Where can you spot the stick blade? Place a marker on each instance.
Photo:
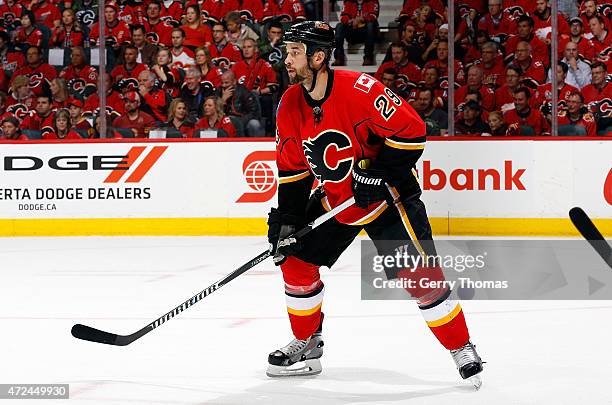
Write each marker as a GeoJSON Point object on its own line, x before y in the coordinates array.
{"type": "Point", "coordinates": [589, 231]}
{"type": "Point", "coordinates": [583, 223]}
{"type": "Point", "coordinates": [85, 332]}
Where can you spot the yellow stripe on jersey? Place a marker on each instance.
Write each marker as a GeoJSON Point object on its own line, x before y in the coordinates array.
{"type": "Point", "coordinates": [295, 177]}
{"type": "Point", "coordinates": [405, 145]}
{"type": "Point", "coordinates": [372, 215]}
{"type": "Point", "coordinates": [446, 319]}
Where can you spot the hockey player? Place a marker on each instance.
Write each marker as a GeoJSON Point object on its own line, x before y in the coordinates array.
{"type": "Point", "coordinates": [320, 134]}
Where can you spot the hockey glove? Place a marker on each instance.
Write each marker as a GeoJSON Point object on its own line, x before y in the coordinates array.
{"type": "Point", "coordinates": [369, 185]}
{"type": "Point", "coordinates": [280, 231]}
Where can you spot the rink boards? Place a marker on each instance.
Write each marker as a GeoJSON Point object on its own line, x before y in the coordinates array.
{"type": "Point", "coordinates": [471, 187]}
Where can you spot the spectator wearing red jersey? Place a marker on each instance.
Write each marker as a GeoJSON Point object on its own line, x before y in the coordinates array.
{"type": "Point", "coordinates": [215, 119]}
{"type": "Point", "coordinates": [158, 30]}
{"type": "Point", "coordinates": [196, 33]}
{"type": "Point", "coordinates": [598, 95]}
{"type": "Point", "coordinates": [126, 74]}
{"type": "Point", "coordinates": [154, 100]}
{"type": "Point", "coordinates": [589, 9]}
{"type": "Point", "coordinates": [579, 73]}
{"type": "Point", "coordinates": [526, 33]}
{"type": "Point", "coordinates": [285, 11]}
{"type": "Point", "coordinates": [532, 69]}
{"type": "Point", "coordinates": [172, 10]}
{"type": "Point", "coordinates": [492, 66]}
{"type": "Point", "coordinates": [46, 13]}
{"type": "Point", "coordinates": [575, 117]}
{"type": "Point", "coordinates": [586, 48]}
{"type": "Point", "coordinates": [69, 33]}
{"type": "Point", "coordinates": [408, 74]}
{"type": "Point", "coordinates": [9, 60]}
{"type": "Point", "coordinates": [358, 23]}
{"type": "Point", "coordinates": [114, 99]}
{"type": "Point", "coordinates": [254, 73]}
{"type": "Point", "coordinates": [22, 99]}
{"type": "Point", "coordinates": [389, 78]}
{"type": "Point", "coordinates": [475, 83]}
{"type": "Point", "coordinates": [213, 11]}
{"type": "Point", "coordinates": [425, 22]}
{"type": "Point", "coordinates": [11, 130]}
{"type": "Point", "coordinates": [59, 93]}
{"type": "Point", "coordinates": [82, 78]}
{"type": "Point", "coordinates": [210, 74]}
{"type": "Point", "coordinates": [497, 23]}
{"type": "Point", "coordinates": [182, 57]}
{"type": "Point", "coordinates": [441, 63]}
{"type": "Point", "coordinates": [138, 121]}
{"type": "Point", "coordinates": [116, 32]}
{"type": "Point", "coordinates": [78, 120]}
{"type": "Point", "coordinates": [179, 119]}
{"type": "Point", "coordinates": [62, 127]}
{"type": "Point", "coordinates": [28, 34]}
{"type": "Point", "coordinates": [237, 31]}
{"type": "Point", "coordinates": [518, 8]}
{"type": "Point", "coordinates": [223, 53]}
{"type": "Point", "coordinates": [431, 80]}
{"type": "Point", "coordinates": [132, 12]}
{"type": "Point", "coordinates": [543, 93]}
{"type": "Point", "coordinates": [39, 73]}
{"type": "Point", "coordinates": [41, 119]}
{"type": "Point", "coordinates": [10, 12]}
{"type": "Point", "coordinates": [169, 77]}
{"type": "Point", "coordinates": [543, 22]}
{"type": "Point", "coordinates": [602, 38]}
{"type": "Point", "coordinates": [251, 10]}
{"type": "Point", "coordinates": [524, 120]}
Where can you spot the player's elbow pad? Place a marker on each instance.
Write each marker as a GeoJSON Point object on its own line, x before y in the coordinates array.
{"type": "Point", "coordinates": [399, 165]}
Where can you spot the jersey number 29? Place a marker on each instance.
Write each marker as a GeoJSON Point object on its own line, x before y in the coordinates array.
{"type": "Point", "coordinates": [384, 106]}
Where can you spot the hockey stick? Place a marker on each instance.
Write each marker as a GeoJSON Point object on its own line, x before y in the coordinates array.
{"type": "Point", "coordinates": [98, 336]}
{"type": "Point", "coordinates": [587, 228]}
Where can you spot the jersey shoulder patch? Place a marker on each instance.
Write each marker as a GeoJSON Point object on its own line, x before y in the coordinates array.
{"type": "Point", "coordinates": [364, 83]}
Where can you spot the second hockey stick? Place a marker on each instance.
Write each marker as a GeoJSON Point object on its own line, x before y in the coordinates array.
{"type": "Point", "coordinates": [85, 332]}
{"type": "Point", "coordinates": [587, 228]}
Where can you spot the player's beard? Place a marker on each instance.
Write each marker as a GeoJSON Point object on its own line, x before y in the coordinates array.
{"type": "Point", "coordinates": [301, 76]}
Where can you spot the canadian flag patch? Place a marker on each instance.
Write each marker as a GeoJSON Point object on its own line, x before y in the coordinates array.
{"type": "Point", "coordinates": [364, 83]}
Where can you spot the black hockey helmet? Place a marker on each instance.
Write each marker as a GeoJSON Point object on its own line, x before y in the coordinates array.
{"type": "Point", "coordinates": [316, 35]}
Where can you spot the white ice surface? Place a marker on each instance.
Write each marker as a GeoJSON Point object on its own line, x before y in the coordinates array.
{"type": "Point", "coordinates": [376, 352]}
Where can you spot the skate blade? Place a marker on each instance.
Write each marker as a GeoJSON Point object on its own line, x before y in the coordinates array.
{"type": "Point", "coordinates": [301, 368]}
{"type": "Point", "coordinates": [476, 381]}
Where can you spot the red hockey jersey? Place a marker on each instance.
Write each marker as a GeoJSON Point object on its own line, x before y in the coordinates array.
{"type": "Point", "coordinates": [257, 74]}
{"type": "Point", "coordinates": [352, 9]}
{"type": "Point", "coordinates": [344, 133]}
{"type": "Point", "coordinates": [39, 76]}
{"type": "Point", "coordinates": [223, 56]}
{"type": "Point", "coordinates": [81, 81]}
{"type": "Point", "coordinates": [290, 10]}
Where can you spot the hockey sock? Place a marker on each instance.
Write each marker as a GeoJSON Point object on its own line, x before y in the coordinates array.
{"type": "Point", "coordinates": [304, 295]}
{"type": "Point", "coordinates": [444, 316]}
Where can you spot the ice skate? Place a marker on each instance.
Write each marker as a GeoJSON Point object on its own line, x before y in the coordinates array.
{"type": "Point", "coordinates": [298, 358]}
{"type": "Point", "coordinates": [468, 363]}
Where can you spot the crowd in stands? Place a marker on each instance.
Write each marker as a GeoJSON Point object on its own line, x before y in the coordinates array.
{"type": "Point", "coordinates": [503, 66]}
{"type": "Point", "coordinates": [214, 68]}
{"type": "Point", "coordinates": [211, 68]}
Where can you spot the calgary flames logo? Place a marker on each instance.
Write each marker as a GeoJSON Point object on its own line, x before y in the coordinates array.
{"type": "Point", "coordinates": [330, 156]}
{"type": "Point", "coordinates": [260, 177]}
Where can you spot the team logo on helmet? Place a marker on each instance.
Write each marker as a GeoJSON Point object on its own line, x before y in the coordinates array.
{"type": "Point", "coordinates": [330, 156]}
